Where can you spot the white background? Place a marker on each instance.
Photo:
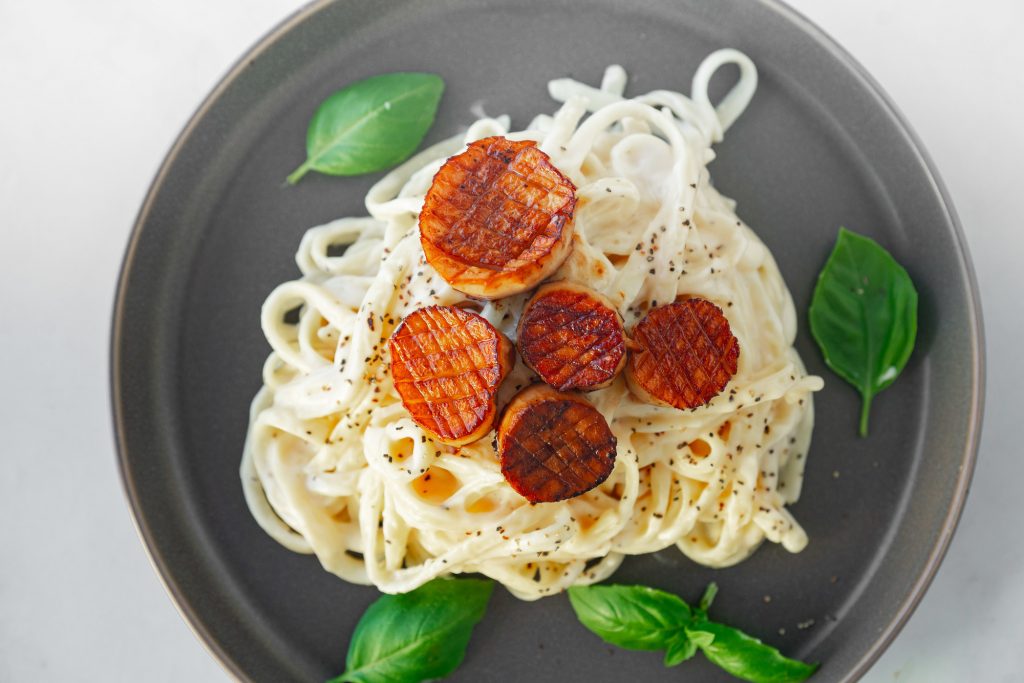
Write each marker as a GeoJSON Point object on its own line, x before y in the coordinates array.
{"type": "Point", "coordinates": [91, 96]}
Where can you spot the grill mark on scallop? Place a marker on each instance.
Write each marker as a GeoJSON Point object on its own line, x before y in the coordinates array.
{"type": "Point", "coordinates": [688, 354]}
{"type": "Point", "coordinates": [553, 446]}
{"type": "Point", "coordinates": [572, 337]}
{"type": "Point", "coordinates": [492, 199]}
{"type": "Point", "coordinates": [497, 218]}
{"type": "Point", "coordinates": [447, 364]}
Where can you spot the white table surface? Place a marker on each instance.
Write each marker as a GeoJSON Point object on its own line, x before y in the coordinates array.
{"type": "Point", "coordinates": [92, 95]}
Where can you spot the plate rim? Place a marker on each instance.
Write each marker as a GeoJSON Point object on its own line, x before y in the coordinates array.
{"type": "Point", "coordinates": [968, 460]}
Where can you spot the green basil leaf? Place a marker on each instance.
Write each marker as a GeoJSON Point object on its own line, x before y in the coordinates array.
{"type": "Point", "coordinates": [864, 316]}
{"type": "Point", "coordinates": [746, 657]}
{"type": "Point", "coordinates": [700, 638]}
{"type": "Point", "coordinates": [370, 125]}
{"type": "Point", "coordinates": [418, 635]}
{"type": "Point", "coordinates": [633, 617]}
{"type": "Point", "coordinates": [680, 649]}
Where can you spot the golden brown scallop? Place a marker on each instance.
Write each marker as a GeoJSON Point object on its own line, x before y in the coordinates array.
{"type": "Point", "coordinates": [447, 364]}
{"type": "Point", "coordinates": [553, 446]}
{"type": "Point", "coordinates": [687, 354]}
{"type": "Point", "coordinates": [497, 218]}
{"type": "Point", "coordinates": [572, 337]}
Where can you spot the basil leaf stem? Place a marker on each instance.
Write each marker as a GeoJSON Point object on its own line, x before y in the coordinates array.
{"type": "Point", "coordinates": [705, 600]}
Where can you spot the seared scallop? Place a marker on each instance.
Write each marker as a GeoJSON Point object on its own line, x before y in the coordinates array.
{"type": "Point", "coordinates": [553, 446]}
{"type": "Point", "coordinates": [447, 364]}
{"type": "Point", "coordinates": [498, 218]}
{"type": "Point", "coordinates": [572, 337]}
{"type": "Point", "coordinates": [687, 354]}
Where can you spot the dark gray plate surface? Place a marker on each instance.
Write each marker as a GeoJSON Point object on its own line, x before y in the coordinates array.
{"type": "Point", "coordinates": [819, 147]}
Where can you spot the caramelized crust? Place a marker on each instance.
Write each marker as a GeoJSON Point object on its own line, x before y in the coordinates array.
{"type": "Point", "coordinates": [553, 446]}
{"type": "Point", "coordinates": [687, 354]}
{"type": "Point", "coordinates": [498, 218]}
{"type": "Point", "coordinates": [572, 337]}
{"type": "Point", "coordinates": [447, 364]}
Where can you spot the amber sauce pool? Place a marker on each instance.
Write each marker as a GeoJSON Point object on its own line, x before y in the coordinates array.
{"type": "Point", "coordinates": [436, 485]}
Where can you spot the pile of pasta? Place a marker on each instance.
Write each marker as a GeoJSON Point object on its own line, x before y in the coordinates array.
{"type": "Point", "coordinates": [334, 465]}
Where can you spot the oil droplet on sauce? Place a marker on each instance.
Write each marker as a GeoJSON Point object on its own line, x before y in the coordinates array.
{"type": "Point", "coordinates": [481, 505]}
{"type": "Point", "coordinates": [436, 485]}
{"type": "Point", "coordinates": [618, 260]}
{"type": "Point", "coordinates": [725, 430]}
{"type": "Point", "coordinates": [401, 449]}
{"type": "Point", "coordinates": [724, 495]}
{"type": "Point", "coordinates": [700, 448]}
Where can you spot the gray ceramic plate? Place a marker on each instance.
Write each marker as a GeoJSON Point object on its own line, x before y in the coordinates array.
{"type": "Point", "coordinates": [819, 147]}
